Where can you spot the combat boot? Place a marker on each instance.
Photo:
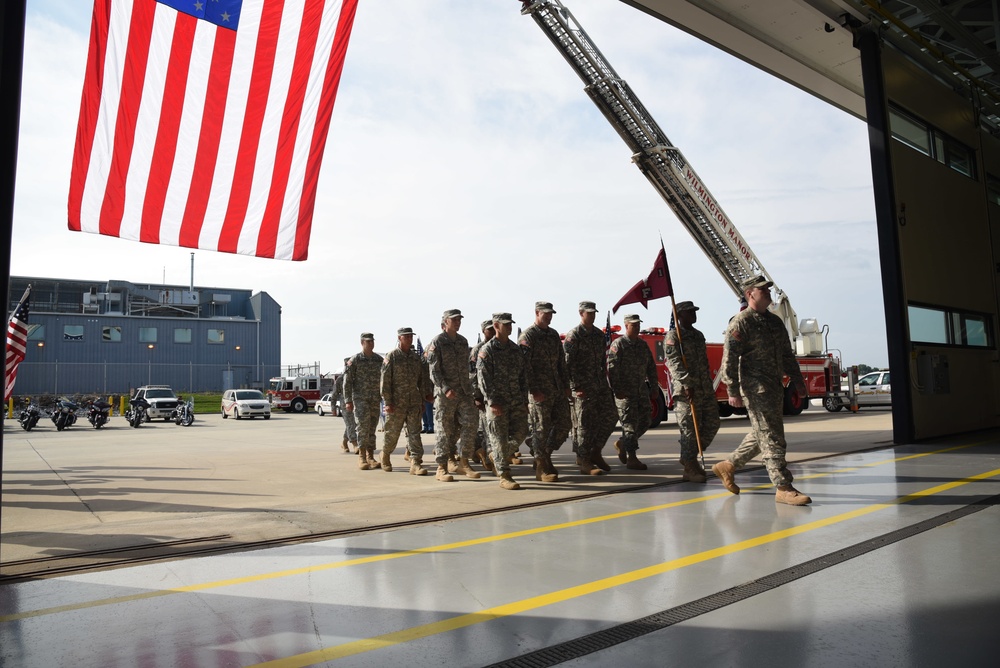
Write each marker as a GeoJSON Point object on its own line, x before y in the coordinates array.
{"type": "Point", "coordinates": [386, 464]}
{"type": "Point", "coordinates": [726, 472]}
{"type": "Point", "coordinates": [362, 461]}
{"type": "Point", "coordinates": [406, 455]}
{"type": "Point", "coordinates": [597, 460]}
{"type": "Point", "coordinates": [622, 455]}
{"type": "Point", "coordinates": [507, 482]}
{"type": "Point", "coordinates": [416, 468]}
{"type": "Point", "coordinates": [443, 475]}
{"type": "Point", "coordinates": [463, 468]}
{"type": "Point", "coordinates": [343, 446]}
{"type": "Point", "coordinates": [485, 460]}
{"type": "Point", "coordinates": [633, 463]}
{"type": "Point", "coordinates": [356, 449]}
{"type": "Point", "coordinates": [370, 456]}
{"type": "Point", "coordinates": [453, 465]}
{"type": "Point", "coordinates": [515, 457]}
{"type": "Point", "coordinates": [587, 467]}
{"type": "Point", "coordinates": [693, 471]}
{"type": "Point", "coordinates": [549, 473]}
{"type": "Point", "coordinates": [789, 495]}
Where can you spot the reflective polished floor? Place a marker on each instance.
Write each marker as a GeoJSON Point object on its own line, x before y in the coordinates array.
{"type": "Point", "coordinates": [894, 564]}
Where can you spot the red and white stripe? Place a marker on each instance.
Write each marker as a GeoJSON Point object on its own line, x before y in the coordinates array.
{"type": "Point", "coordinates": [199, 136]}
{"type": "Point", "coordinates": [17, 341]}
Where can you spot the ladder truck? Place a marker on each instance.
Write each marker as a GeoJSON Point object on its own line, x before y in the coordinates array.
{"type": "Point", "coordinates": [696, 208]}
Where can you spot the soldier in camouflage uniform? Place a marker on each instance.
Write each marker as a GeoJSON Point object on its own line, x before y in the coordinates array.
{"type": "Point", "coordinates": [694, 395]}
{"type": "Point", "coordinates": [361, 394]}
{"type": "Point", "coordinates": [455, 414]}
{"type": "Point", "coordinates": [350, 426]}
{"type": "Point", "coordinates": [548, 387]}
{"type": "Point", "coordinates": [404, 389]}
{"type": "Point", "coordinates": [632, 373]}
{"type": "Point", "coordinates": [482, 442]}
{"type": "Point", "coordinates": [500, 370]}
{"type": "Point", "coordinates": [594, 404]}
{"type": "Point", "coordinates": [756, 356]}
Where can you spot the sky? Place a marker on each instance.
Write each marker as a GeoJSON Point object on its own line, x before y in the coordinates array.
{"type": "Point", "coordinates": [466, 168]}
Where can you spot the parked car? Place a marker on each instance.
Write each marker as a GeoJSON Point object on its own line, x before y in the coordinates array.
{"type": "Point", "coordinates": [325, 405]}
{"type": "Point", "coordinates": [162, 401]}
{"type": "Point", "coordinates": [245, 403]}
{"type": "Point", "coordinates": [873, 389]}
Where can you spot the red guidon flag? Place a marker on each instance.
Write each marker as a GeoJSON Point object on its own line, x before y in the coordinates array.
{"type": "Point", "coordinates": [655, 286]}
{"type": "Point", "coordinates": [203, 122]}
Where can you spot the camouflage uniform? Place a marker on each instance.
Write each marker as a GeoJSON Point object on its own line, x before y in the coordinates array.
{"type": "Point", "coordinates": [632, 373]}
{"type": "Point", "coordinates": [545, 364]}
{"type": "Point", "coordinates": [404, 386]}
{"type": "Point", "coordinates": [361, 388]}
{"type": "Point", "coordinates": [696, 376]}
{"type": "Point", "coordinates": [477, 393]}
{"type": "Point", "coordinates": [596, 414]}
{"type": "Point", "coordinates": [500, 369]}
{"type": "Point", "coordinates": [350, 425]}
{"type": "Point", "coordinates": [756, 356]}
{"type": "Point", "coordinates": [454, 419]}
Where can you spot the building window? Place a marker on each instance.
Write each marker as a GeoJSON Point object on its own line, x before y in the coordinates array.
{"type": "Point", "coordinates": [910, 131]}
{"type": "Point", "coordinates": [993, 189]}
{"type": "Point", "coordinates": [113, 334]}
{"type": "Point", "coordinates": [36, 332]}
{"type": "Point", "coordinates": [72, 332]}
{"type": "Point", "coordinates": [932, 142]}
{"type": "Point", "coordinates": [216, 336]}
{"type": "Point", "coordinates": [182, 335]}
{"type": "Point", "coordinates": [947, 327]}
{"type": "Point", "coordinates": [147, 335]}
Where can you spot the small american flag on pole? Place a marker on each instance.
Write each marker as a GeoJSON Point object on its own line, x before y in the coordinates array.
{"type": "Point", "coordinates": [203, 122]}
{"type": "Point", "coordinates": [17, 341]}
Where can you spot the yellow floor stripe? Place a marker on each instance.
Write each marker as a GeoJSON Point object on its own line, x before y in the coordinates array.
{"type": "Point", "coordinates": [204, 586]}
{"type": "Point", "coordinates": [528, 604]}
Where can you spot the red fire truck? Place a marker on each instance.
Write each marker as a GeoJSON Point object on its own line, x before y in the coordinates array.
{"type": "Point", "coordinates": [685, 193]}
{"type": "Point", "coordinates": [294, 393]}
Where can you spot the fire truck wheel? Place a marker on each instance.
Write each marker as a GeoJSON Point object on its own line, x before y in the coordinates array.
{"type": "Point", "coordinates": [832, 404]}
{"type": "Point", "coordinates": [794, 403]}
{"type": "Point", "coordinates": [299, 405]}
{"type": "Point", "coordinates": [658, 409]}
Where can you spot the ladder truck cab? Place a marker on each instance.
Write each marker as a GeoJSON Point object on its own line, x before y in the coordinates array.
{"type": "Point", "coordinates": [296, 394]}
{"type": "Point", "coordinates": [669, 172]}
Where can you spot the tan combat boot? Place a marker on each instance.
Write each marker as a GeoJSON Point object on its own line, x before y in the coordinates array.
{"type": "Point", "coordinates": [485, 460]}
{"type": "Point", "coordinates": [515, 457]}
{"type": "Point", "coordinates": [386, 464]}
{"type": "Point", "coordinates": [622, 455]}
{"type": "Point", "coordinates": [726, 472]}
{"type": "Point", "coordinates": [693, 471]}
{"type": "Point", "coordinates": [789, 495]}
{"type": "Point", "coordinates": [343, 446]}
{"type": "Point", "coordinates": [463, 468]}
{"type": "Point", "coordinates": [443, 475]}
{"type": "Point", "coordinates": [507, 482]}
{"type": "Point", "coordinates": [587, 467]}
{"type": "Point", "coordinates": [416, 468]}
{"type": "Point", "coordinates": [356, 449]}
{"type": "Point", "coordinates": [598, 460]}
{"type": "Point", "coordinates": [406, 455]}
{"type": "Point", "coordinates": [453, 465]}
{"type": "Point", "coordinates": [633, 463]}
{"type": "Point", "coordinates": [362, 461]}
{"type": "Point", "coordinates": [370, 456]}
{"type": "Point", "coordinates": [549, 473]}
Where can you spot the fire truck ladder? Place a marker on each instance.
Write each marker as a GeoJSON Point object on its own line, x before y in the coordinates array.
{"type": "Point", "coordinates": [658, 159]}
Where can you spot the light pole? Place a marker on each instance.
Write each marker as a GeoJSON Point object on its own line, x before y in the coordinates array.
{"type": "Point", "coordinates": [149, 374]}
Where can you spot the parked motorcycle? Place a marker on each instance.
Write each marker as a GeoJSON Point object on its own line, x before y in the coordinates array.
{"type": "Point", "coordinates": [64, 414]}
{"type": "Point", "coordinates": [184, 413]}
{"type": "Point", "coordinates": [99, 413]}
{"type": "Point", "coordinates": [29, 416]}
{"type": "Point", "coordinates": [136, 413]}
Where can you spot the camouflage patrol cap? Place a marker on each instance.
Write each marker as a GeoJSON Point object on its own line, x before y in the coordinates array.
{"type": "Point", "coordinates": [503, 318]}
{"type": "Point", "coordinates": [452, 313]}
{"type": "Point", "coordinates": [756, 282]}
{"type": "Point", "coordinates": [367, 336]}
{"type": "Point", "coordinates": [589, 307]}
{"type": "Point", "coordinates": [544, 307]}
{"type": "Point", "coordinates": [632, 317]}
{"type": "Point", "coordinates": [486, 324]}
{"type": "Point", "coordinates": [686, 306]}
{"type": "Point", "coordinates": [404, 331]}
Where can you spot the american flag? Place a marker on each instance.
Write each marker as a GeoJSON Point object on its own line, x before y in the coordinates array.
{"type": "Point", "coordinates": [203, 122]}
{"type": "Point", "coordinates": [17, 341]}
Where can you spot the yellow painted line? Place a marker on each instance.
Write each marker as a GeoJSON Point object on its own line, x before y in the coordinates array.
{"type": "Point", "coordinates": [204, 586]}
{"type": "Point", "coordinates": [526, 605]}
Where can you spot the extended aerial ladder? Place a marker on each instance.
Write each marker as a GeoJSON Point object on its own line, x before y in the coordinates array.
{"type": "Point", "coordinates": [658, 159]}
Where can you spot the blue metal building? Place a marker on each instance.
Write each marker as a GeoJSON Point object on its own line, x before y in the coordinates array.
{"type": "Point", "coordinates": [109, 337]}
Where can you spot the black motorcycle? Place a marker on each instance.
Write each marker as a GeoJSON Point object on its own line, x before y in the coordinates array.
{"type": "Point", "coordinates": [29, 416]}
{"type": "Point", "coordinates": [99, 413]}
{"type": "Point", "coordinates": [64, 414]}
{"type": "Point", "coordinates": [137, 411]}
{"type": "Point", "coordinates": [184, 413]}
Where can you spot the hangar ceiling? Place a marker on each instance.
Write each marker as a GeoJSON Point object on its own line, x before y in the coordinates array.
{"type": "Point", "coordinates": [810, 43]}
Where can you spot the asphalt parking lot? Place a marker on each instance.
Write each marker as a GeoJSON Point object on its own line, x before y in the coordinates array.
{"type": "Point", "coordinates": [228, 482]}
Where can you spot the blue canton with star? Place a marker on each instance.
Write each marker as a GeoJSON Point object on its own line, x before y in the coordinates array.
{"type": "Point", "coordinates": [223, 13]}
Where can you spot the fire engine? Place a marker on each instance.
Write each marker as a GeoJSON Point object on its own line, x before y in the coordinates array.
{"type": "Point", "coordinates": [685, 193]}
{"type": "Point", "coordinates": [294, 393]}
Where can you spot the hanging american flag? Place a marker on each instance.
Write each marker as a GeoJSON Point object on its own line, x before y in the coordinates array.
{"type": "Point", "coordinates": [17, 341]}
{"type": "Point", "coordinates": [203, 122]}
